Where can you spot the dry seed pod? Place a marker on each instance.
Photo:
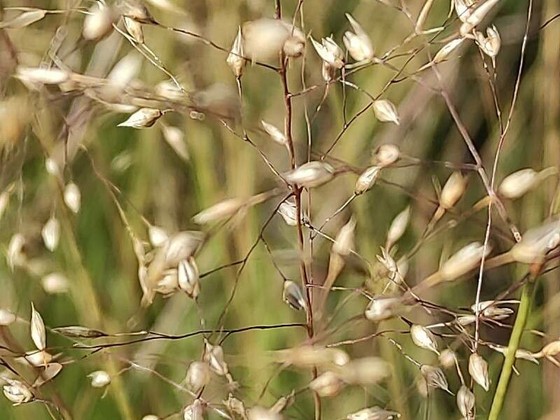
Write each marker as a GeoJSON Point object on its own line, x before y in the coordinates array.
{"type": "Point", "coordinates": [150, 417]}
{"type": "Point", "coordinates": [477, 15]}
{"type": "Point", "coordinates": [550, 350]}
{"type": "Point", "coordinates": [519, 353]}
{"type": "Point", "coordinates": [393, 270]}
{"type": "Point", "coordinates": [36, 358]}
{"type": "Point", "coordinates": [465, 402]}
{"type": "Point", "coordinates": [478, 369]}
{"type": "Point", "coordinates": [98, 23]}
{"type": "Point", "coordinates": [373, 413]}
{"type": "Point", "coordinates": [463, 8]}
{"type": "Point", "coordinates": [366, 180]}
{"type": "Point", "coordinates": [48, 373]}
{"type": "Point", "coordinates": [424, 338]}
{"type": "Point", "coordinates": [99, 379]}
{"type": "Point", "coordinates": [518, 183]}
{"type": "Point", "coordinates": [264, 39]}
{"type": "Point", "coordinates": [76, 331]}
{"type": "Point", "coordinates": [453, 190]}
{"type": "Point", "coordinates": [134, 29]}
{"type": "Point", "coordinates": [447, 358]}
{"type": "Point", "coordinates": [329, 52]}
{"type": "Point", "coordinates": [51, 233]}
{"type": "Point", "coordinates": [398, 227]}
{"type": "Point", "coordinates": [214, 356]}
{"type": "Point", "coordinates": [387, 154]}
{"type": "Point", "coordinates": [222, 210]}
{"type": "Point", "coordinates": [463, 261]}
{"type": "Point", "coordinates": [261, 413]}
{"type": "Point", "coordinates": [327, 384]}
{"type": "Point", "coordinates": [310, 174]}
{"type": "Point", "coordinates": [72, 197]}
{"type": "Point", "coordinates": [15, 255]}
{"type": "Point", "coordinates": [6, 317]}
{"type": "Point", "coordinates": [435, 378]}
{"type": "Point", "coordinates": [38, 334]}
{"type": "Point", "coordinates": [188, 277]}
{"type": "Point", "coordinates": [55, 283]}
{"type": "Point", "coordinates": [24, 19]}
{"type": "Point", "coordinates": [537, 242]}
{"type": "Point", "coordinates": [235, 59]}
{"type": "Point", "coordinates": [143, 118]}
{"type": "Point", "coordinates": [198, 376]}
{"type": "Point", "coordinates": [312, 356]}
{"type": "Point", "coordinates": [385, 111]}
{"type": "Point", "coordinates": [490, 45]}
{"type": "Point", "coordinates": [328, 72]}
{"type": "Point", "coordinates": [358, 42]}
{"type": "Point", "coordinates": [235, 407]}
{"type": "Point", "coordinates": [293, 296]}
{"type": "Point", "coordinates": [180, 246]}
{"type": "Point", "coordinates": [490, 309]}
{"type": "Point", "coordinates": [194, 411]}
{"type": "Point", "coordinates": [445, 51]}
{"type": "Point", "coordinates": [158, 236]}
{"type": "Point", "coordinates": [168, 283]}
{"type": "Point", "coordinates": [135, 9]}
{"type": "Point", "coordinates": [176, 139]}
{"type": "Point", "coordinates": [382, 308]}
{"type": "Point", "coordinates": [365, 371]}
{"type": "Point", "coordinates": [17, 392]}
{"type": "Point", "coordinates": [41, 75]}
{"type": "Point", "coordinates": [288, 211]}
{"type": "Point", "coordinates": [274, 133]}
{"type": "Point", "coordinates": [344, 241]}
{"type": "Point", "coordinates": [4, 200]}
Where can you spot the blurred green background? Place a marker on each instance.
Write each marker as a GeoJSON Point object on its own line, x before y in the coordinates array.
{"type": "Point", "coordinates": [156, 183]}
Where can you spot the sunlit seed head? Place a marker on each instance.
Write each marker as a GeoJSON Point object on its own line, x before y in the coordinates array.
{"type": "Point", "coordinates": [134, 29]}
{"type": "Point", "coordinates": [447, 358]}
{"type": "Point", "coordinates": [435, 378]}
{"type": "Point", "coordinates": [7, 317]}
{"type": "Point", "coordinates": [445, 51]}
{"type": "Point", "coordinates": [98, 23]}
{"type": "Point", "coordinates": [72, 197]}
{"type": "Point", "coordinates": [328, 384]}
{"type": "Point", "coordinates": [55, 283]}
{"type": "Point", "coordinates": [386, 111]}
{"type": "Point", "coordinates": [188, 277]}
{"type": "Point", "coordinates": [478, 369]}
{"type": "Point", "coordinates": [274, 133]}
{"type": "Point", "coordinates": [143, 118]}
{"type": "Point", "coordinates": [518, 183]}
{"type": "Point", "coordinates": [382, 308]}
{"type": "Point", "coordinates": [310, 174]}
{"type": "Point", "coordinates": [17, 392]}
{"type": "Point", "coordinates": [99, 379]}
{"type": "Point", "coordinates": [453, 190]}
{"type": "Point", "coordinates": [344, 241]}
{"type": "Point", "coordinates": [424, 338]}
{"type": "Point", "coordinates": [463, 261]}
{"type": "Point", "coordinates": [386, 155]}
{"type": "Point", "coordinates": [158, 236]}
{"type": "Point", "coordinates": [235, 59]}
{"type": "Point", "coordinates": [222, 210]}
{"type": "Point", "coordinates": [293, 296]}
{"type": "Point", "coordinates": [365, 371]}
{"type": "Point", "coordinates": [366, 180]}
{"type": "Point", "coordinates": [537, 242]}
{"type": "Point", "coordinates": [329, 52]}
{"type": "Point", "coordinates": [198, 376]}
{"type": "Point", "coordinates": [41, 75]}
{"type": "Point", "coordinates": [466, 402]}
{"type": "Point", "coordinates": [373, 413]}
{"type": "Point", "coordinates": [51, 233]}
{"type": "Point", "coordinates": [398, 227]}
{"type": "Point", "coordinates": [358, 43]}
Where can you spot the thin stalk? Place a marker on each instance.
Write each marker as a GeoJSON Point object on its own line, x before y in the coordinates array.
{"type": "Point", "coordinates": [518, 328]}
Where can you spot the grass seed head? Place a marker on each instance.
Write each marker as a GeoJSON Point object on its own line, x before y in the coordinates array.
{"type": "Point", "coordinates": [198, 376]}
{"type": "Point", "coordinates": [235, 60]}
{"type": "Point", "coordinates": [453, 190]}
{"type": "Point", "coordinates": [194, 411]}
{"type": "Point", "coordinates": [143, 118]}
{"type": "Point", "coordinates": [373, 413]}
{"type": "Point", "coordinates": [367, 179]}
{"type": "Point", "coordinates": [478, 369]}
{"type": "Point", "coordinates": [98, 23]}
{"type": "Point", "coordinates": [465, 402]}
{"type": "Point", "coordinates": [386, 155]}
{"type": "Point", "coordinates": [329, 52]}
{"type": "Point", "coordinates": [17, 392]}
{"type": "Point", "coordinates": [463, 261]}
{"type": "Point", "coordinates": [134, 29]}
{"type": "Point", "coordinates": [435, 378]}
{"type": "Point", "coordinates": [518, 183]}
{"type": "Point", "coordinates": [293, 296]}
{"type": "Point", "coordinates": [386, 111]}
{"type": "Point", "coordinates": [328, 384]}
{"type": "Point", "coordinates": [424, 338]}
{"type": "Point", "coordinates": [537, 242]}
{"type": "Point", "coordinates": [99, 379]}
{"type": "Point", "coordinates": [310, 174]}
{"type": "Point", "coordinates": [358, 43]}
{"type": "Point", "coordinates": [51, 233]}
{"type": "Point", "coordinates": [72, 197]}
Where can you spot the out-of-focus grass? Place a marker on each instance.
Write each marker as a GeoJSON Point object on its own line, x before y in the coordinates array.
{"type": "Point", "coordinates": [96, 254]}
